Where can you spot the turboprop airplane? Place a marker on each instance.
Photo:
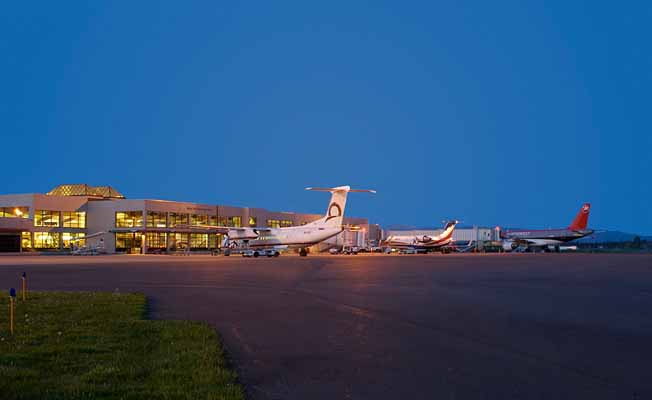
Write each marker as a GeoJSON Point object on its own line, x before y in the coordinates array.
{"type": "Point", "coordinates": [549, 239]}
{"type": "Point", "coordinates": [424, 243]}
{"type": "Point", "coordinates": [268, 241]}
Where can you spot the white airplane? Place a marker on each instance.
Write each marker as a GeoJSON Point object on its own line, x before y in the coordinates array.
{"type": "Point", "coordinates": [424, 243]}
{"type": "Point", "coordinates": [268, 241]}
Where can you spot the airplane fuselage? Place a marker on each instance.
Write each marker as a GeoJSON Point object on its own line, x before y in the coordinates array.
{"type": "Point", "coordinates": [546, 236]}
{"type": "Point", "coordinates": [290, 237]}
{"type": "Point", "coordinates": [410, 242]}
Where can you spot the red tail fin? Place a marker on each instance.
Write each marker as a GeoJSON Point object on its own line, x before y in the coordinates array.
{"type": "Point", "coordinates": [582, 218]}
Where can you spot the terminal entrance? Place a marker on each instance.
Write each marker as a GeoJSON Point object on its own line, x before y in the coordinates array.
{"type": "Point", "coordinates": [128, 242]}
{"type": "Point", "coordinates": [9, 242]}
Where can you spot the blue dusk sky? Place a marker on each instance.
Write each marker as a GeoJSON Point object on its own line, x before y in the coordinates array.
{"type": "Point", "coordinates": [503, 113]}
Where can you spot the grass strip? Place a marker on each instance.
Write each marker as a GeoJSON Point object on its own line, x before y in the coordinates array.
{"type": "Point", "coordinates": [88, 345]}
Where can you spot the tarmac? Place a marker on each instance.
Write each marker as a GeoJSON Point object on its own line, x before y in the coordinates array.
{"type": "Point", "coordinates": [458, 326]}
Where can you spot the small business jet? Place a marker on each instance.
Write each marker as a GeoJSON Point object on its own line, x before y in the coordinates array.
{"type": "Point", "coordinates": [549, 239]}
{"type": "Point", "coordinates": [424, 243]}
{"type": "Point", "coordinates": [269, 241]}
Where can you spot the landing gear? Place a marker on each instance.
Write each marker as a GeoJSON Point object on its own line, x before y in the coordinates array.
{"type": "Point", "coordinates": [303, 252]}
{"type": "Point", "coordinates": [227, 252]}
{"type": "Point", "coordinates": [256, 254]}
{"type": "Point", "coordinates": [557, 249]}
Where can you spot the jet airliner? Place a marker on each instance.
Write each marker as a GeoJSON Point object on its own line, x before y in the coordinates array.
{"type": "Point", "coordinates": [549, 238]}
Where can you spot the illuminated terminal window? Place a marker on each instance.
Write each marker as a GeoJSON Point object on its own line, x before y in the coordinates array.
{"type": "Point", "coordinates": [177, 219]}
{"type": "Point", "coordinates": [214, 241]}
{"type": "Point", "coordinates": [156, 239]}
{"type": "Point", "coordinates": [286, 223]}
{"type": "Point", "coordinates": [46, 240]}
{"type": "Point", "coordinates": [128, 219]}
{"type": "Point", "coordinates": [26, 240]}
{"type": "Point", "coordinates": [74, 219]}
{"type": "Point", "coordinates": [76, 238]}
{"type": "Point", "coordinates": [252, 221]}
{"type": "Point", "coordinates": [46, 218]}
{"type": "Point", "coordinates": [220, 239]}
{"type": "Point", "coordinates": [198, 219]}
{"type": "Point", "coordinates": [156, 219]}
{"type": "Point", "coordinates": [178, 241]}
{"type": "Point", "coordinates": [273, 223]}
{"type": "Point", "coordinates": [212, 220]}
{"type": "Point", "coordinates": [14, 212]}
{"type": "Point", "coordinates": [198, 240]}
{"type": "Point", "coordinates": [235, 222]}
{"type": "Point", "coordinates": [128, 240]}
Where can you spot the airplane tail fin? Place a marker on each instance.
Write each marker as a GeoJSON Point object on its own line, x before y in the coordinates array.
{"type": "Point", "coordinates": [449, 228]}
{"type": "Point", "coordinates": [582, 218]}
{"type": "Point", "coordinates": [335, 212]}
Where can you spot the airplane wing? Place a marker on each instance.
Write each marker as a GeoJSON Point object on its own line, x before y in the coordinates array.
{"type": "Point", "coordinates": [216, 229]}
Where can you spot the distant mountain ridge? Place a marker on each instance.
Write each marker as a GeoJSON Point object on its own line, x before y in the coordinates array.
{"type": "Point", "coordinates": [611, 237]}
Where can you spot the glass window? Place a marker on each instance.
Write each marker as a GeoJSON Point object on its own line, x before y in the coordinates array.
{"type": "Point", "coordinates": [212, 220]}
{"type": "Point", "coordinates": [46, 240]}
{"type": "Point", "coordinates": [198, 219]}
{"type": "Point", "coordinates": [178, 241]}
{"type": "Point", "coordinates": [128, 240]}
{"type": "Point", "coordinates": [46, 218]}
{"type": "Point", "coordinates": [14, 212]}
{"type": "Point", "coordinates": [252, 221]}
{"type": "Point", "coordinates": [198, 240]}
{"type": "Point", "coordinates": [128, 219]}
{"type": "Point", "coordinates": [273, 223]}
{"type": "Point", "coordinates": [76, 238]}
{"type": "Point", "coordinates": [74, 219]}
{"type": "Point", "coordinates": [26, 240]}
{"type": "Point", "coordinates": [235, 222]}
{"type": "Point", "coordinates": [212, 241]}
{"type": "Point", "coordinates": [177, 219]}
{"type": "Point", "coordinates": [286, 223]}
{"type": "Point", "coordinates": [156, 219]}
{"type": "Point", "coordinates": [156, 239]}
{"type": "Point", "coordinates": [220, 240]}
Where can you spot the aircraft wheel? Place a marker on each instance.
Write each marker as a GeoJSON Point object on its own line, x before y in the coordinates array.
{"type": "Point", "coordinates": [227, 253]}
{"type": "Point", "coordinates": [276, 254]}
{"type": "Point", "coordinates": [303, 253]}
{"type": "Point", "coordinates": [256, 254]}
{"type": "Point", "coordinates": [557, 249]}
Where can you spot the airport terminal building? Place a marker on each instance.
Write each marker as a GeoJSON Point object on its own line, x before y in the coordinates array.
{"type": "Point", "coordinates": [68, 214]}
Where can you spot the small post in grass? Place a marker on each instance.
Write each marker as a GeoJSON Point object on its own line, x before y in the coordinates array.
{"type": "Point", "coordinates": [12, 297]}
{"type": "Point", "coordinates": [24, 278]}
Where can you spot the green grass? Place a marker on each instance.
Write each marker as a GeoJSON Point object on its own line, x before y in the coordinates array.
{"type": "Point", "coordinates": [100, 346]}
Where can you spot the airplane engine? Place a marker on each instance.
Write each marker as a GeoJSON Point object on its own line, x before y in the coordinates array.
{"type": "Point", "coordinates": [509, 245]}
{"type": "Point", "coordinates": [242, 233]}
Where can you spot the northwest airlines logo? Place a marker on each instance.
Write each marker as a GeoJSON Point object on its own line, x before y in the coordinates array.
{"type": "Point", "coordinates": [586, 208]}
{"type": "Point", "coordinates": [334, 211]}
